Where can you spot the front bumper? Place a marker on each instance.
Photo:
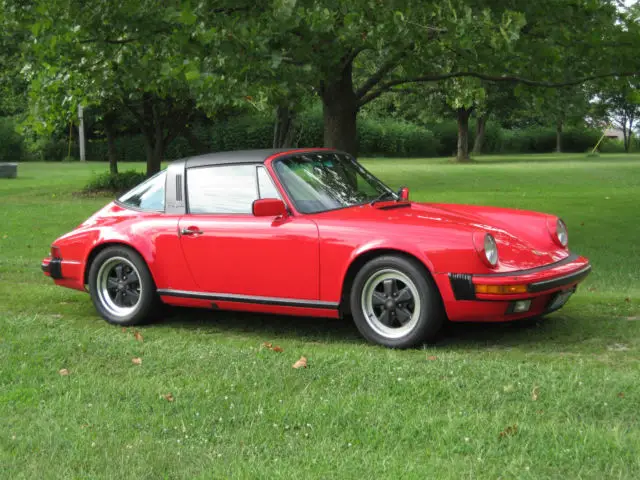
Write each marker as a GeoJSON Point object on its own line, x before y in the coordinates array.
{"type": "Point", "coordinates": [543, 284]}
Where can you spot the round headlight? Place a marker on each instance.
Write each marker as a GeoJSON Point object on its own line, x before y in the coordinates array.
{"type": "Point", "coordinates": [490, 250]}
{"type": "Point", "coordinates": [561, 233]}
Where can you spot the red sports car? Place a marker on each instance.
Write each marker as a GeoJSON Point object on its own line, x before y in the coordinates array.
{"type": "Point", "coordinates": [311, 232]}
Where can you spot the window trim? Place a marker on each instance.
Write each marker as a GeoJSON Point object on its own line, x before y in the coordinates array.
{"type": "Point", "coordinates": [120, 203]}
{"type": "Point", "coordinates": [228, 164]}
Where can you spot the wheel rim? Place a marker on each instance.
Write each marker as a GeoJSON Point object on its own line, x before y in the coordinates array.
{"type": "Point", "coordinates": [119, 286]}
{"type": "Point", "coordinates": [391, 303]}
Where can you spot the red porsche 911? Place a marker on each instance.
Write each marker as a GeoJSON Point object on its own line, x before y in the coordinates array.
{"type": "Point", "coordinates": [311, 232]}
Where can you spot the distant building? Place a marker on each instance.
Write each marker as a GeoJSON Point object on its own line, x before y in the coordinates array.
{"type": "Point", "coordinates": [614, 133]}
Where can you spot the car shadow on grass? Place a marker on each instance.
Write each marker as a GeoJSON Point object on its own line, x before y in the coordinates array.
{"type": "Point", "coordinates": [329, 330]}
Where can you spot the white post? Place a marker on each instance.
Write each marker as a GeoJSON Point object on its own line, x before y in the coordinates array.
{"type": "Point", "coordinates": [83, 157]}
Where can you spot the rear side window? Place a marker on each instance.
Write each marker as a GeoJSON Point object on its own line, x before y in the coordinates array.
{"type": "Point", "coordinates": [149, 195]}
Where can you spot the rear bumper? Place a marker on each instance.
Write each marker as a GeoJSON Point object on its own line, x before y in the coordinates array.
{"type": "Point", "coordinates": [52, 267]}
{"type": "Point", "coordinates": [542, 285]}
{"type": "Point", "coordinates": [66, 273]}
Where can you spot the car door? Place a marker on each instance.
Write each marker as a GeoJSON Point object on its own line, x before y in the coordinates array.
{"type": "Point", "coordinates": [230, 251]}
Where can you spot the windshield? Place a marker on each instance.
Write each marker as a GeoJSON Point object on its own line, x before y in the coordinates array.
{"type": "Point", "coordinates": [317, 182]}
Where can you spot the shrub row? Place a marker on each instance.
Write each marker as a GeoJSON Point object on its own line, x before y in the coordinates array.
{"type": "Point", "coordinates": [117, 183]}
{"type": "Point", "coordinates": [377, 137]}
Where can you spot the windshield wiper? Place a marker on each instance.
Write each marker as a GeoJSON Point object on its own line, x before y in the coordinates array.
{"type": "Point", "coordinates": [381, 197]}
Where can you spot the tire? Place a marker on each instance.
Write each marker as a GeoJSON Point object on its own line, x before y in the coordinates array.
{"type": "Point", "coordinates": [414, 316]}
{"type": "Point", "coordinates": [121, 287]}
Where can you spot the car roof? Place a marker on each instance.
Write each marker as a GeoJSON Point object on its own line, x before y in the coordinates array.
{"type": "Point", "coordinates": [238, 156]}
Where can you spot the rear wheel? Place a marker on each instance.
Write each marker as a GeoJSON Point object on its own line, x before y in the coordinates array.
{"type": "Point", "coordinates": [395, 303]}
{"type": "Point", "coordinates": [121, 287]}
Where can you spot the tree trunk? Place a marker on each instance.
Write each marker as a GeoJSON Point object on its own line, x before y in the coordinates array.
{"type": "Point", "coordinates": [559, 137]}
{"type": "Point", "coordinates": [152, 131]}
{"type": "Point", "coordinates": [463, 135]}
{"type": "Point", "coordinates": [109, 131]}
{"type": "Point", "coordinates": [340, 109]}
{"type": "Point", "coordinates": [478, 144]}
{"type": "Point", "coordinates": [283, 130]}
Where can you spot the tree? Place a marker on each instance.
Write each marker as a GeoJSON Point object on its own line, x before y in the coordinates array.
{"type": "Point", "coordinates": [621, 105]}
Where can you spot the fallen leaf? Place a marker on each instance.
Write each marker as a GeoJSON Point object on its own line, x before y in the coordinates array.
{"type": "Point", "coordinates": [431, 358]}
{"type": "Point", "coordinates": [278, 349]}
{"type": "Point", "coordinates": [169, 397]}
{"type": "Point", "coordinates": [138, 336]}
{"type": "Point", "coordinates": [627, 299]}
{"type": "Point", "coordinates": [124, 330]}
{"type": "Point", "coordinates": [267, 345]}
{"type": "Point", "coordinates": [582, 224]}
{"type": "Point", "coordinates": [136, 361]}
{"type": "Point", "coordinates": [64, 372]}
{"type": "Point", "coordinates": [621, 395]}
{"type": "Point", "coordinates": [302, 363]}
{"type": "Point", "coordinates": [534, 393]}
{"type": "Point", "coordinates": [510, 431]}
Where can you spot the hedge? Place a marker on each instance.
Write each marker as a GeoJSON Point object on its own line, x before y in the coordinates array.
{"type": "Point", "coordinates": [377, 137]}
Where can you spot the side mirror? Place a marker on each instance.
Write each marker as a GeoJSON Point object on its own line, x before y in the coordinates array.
{"type": "Point", "coordinates": [269, 207]}
{"type": "Point", "coordinates": [404, 194]}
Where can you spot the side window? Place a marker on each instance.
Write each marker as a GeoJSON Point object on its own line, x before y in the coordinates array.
{"type": "Point", "coordinates": [223, 189]}
{"type": "Point", "coordinates": [266, 185]}
{"type": "Point", "coordinates": [149, 195]}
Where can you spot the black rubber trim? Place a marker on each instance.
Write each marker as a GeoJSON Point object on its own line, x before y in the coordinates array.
{"type": "Point", "coordinates": [54, 269]}
{"type": "Point", "coordinates": [517, 273]}
{"type": "Point", "coordinates": [394, 206]}
{"type": "Point", "coordinates": [462, 286]}
{"type": "Point", "coordinates": [559, 282]}
{"type": "Point", "coordinates": [230, 297]}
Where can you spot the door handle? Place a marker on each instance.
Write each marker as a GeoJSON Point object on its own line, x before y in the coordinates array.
{"type": "Point", "coordinates": [191, 231]}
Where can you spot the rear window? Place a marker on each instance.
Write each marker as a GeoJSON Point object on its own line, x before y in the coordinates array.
{"type": "Point", "coordinates": [149, 195]}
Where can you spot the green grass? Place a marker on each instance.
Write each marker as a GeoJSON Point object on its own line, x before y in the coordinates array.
{"type": "Point", "coordinates": [358, 410]}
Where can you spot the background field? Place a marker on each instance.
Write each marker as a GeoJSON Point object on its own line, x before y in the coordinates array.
{"type": "Point", "coordinates": [568, 385]}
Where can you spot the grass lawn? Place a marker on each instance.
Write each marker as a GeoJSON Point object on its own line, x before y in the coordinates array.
{"type": "Point", "coordinates": [559, 400]}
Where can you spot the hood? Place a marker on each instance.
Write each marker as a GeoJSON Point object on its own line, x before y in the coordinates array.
{"type": "Point", "coordinates": [522, 236]}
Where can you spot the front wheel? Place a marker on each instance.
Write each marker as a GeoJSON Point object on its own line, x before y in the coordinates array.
{"type": "Point", "coordinates": [395, 303]}
{"type": "Point", "coordinates": [121, 287]}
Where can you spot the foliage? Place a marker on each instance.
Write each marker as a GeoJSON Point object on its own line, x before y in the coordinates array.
{"type": "Point", "coordinates": [543, 140]}
{"type": "Point", "coordinates": [12, 147]}
{"type": "Point", "coordinates": [116, 183]}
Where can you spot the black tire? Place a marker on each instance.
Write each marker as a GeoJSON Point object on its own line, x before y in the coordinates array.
{"type": "Point", "coordinates": [426, 316]}
{"type": "Point", "coordinates": [139, 311]}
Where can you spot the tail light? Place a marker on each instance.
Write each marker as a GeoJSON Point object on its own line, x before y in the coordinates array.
{"type": "Point", "coordinates": [55, 252]}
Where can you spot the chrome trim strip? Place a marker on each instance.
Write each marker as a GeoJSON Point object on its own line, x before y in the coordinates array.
{"type": "Point", "coordinates": [231, 297]}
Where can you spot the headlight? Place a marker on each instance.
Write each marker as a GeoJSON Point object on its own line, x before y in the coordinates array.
{"type": "Point", "coordinates": [486, 247]}
{"type": "Point", "coordinates": [562, 234]}
{"type": "Point", "coordinates": [558, 231]}
{"type": "Point", "coordinates": [491, 250]}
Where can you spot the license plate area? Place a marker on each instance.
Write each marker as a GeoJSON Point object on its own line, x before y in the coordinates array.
{"type": "Point", "coordinates": [559, 300]}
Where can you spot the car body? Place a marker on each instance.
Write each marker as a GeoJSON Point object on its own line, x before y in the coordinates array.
{"type": "Point", "coordinates": [299, 242]}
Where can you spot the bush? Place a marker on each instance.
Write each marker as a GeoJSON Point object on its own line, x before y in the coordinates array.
{"type": "Point", "coordinates": [611, 145]}
{"type": "Point", "coordinates": [116, 183]}
{"type": "Point", "coordinates": [390, 138]}
{"type": "Point", "coordinates": [12, 147]}
{"type": "Point", "coordinates": [543, 140]}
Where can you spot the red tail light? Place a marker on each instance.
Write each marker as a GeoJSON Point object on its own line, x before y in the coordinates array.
{"type": "Point", "coordinates": [55, 252]}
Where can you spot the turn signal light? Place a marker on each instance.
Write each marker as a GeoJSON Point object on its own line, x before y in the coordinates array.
{"type": "Point", "coordinates": [501, 289]}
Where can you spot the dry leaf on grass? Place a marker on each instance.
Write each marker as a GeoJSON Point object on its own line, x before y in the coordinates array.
{"type": "Point", "coordinates": [621, 395]}
{"type": "Point", "coordinates": [431, 358]}
{"type": "Point", "coordinates": [136, 361]}
{"type": "Point", "coordinates": [64, 372]}
{"type": "Point", "coordinates": [271, 346]}
{"type": "Point", "coordinates": [124, 330]}
{"type": "Point", "coordinates": [138, 336]}
{"type": "Point", "coordinates": [510, 431]}
{"type": "Point", "coordinates": [302, 363]}
{"type": "Point", "coordinates": [534, 393]}
{"type": "Point", "coordinates": [627, 299]}
{"type": "Point", "coordinates": [169, 397]}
